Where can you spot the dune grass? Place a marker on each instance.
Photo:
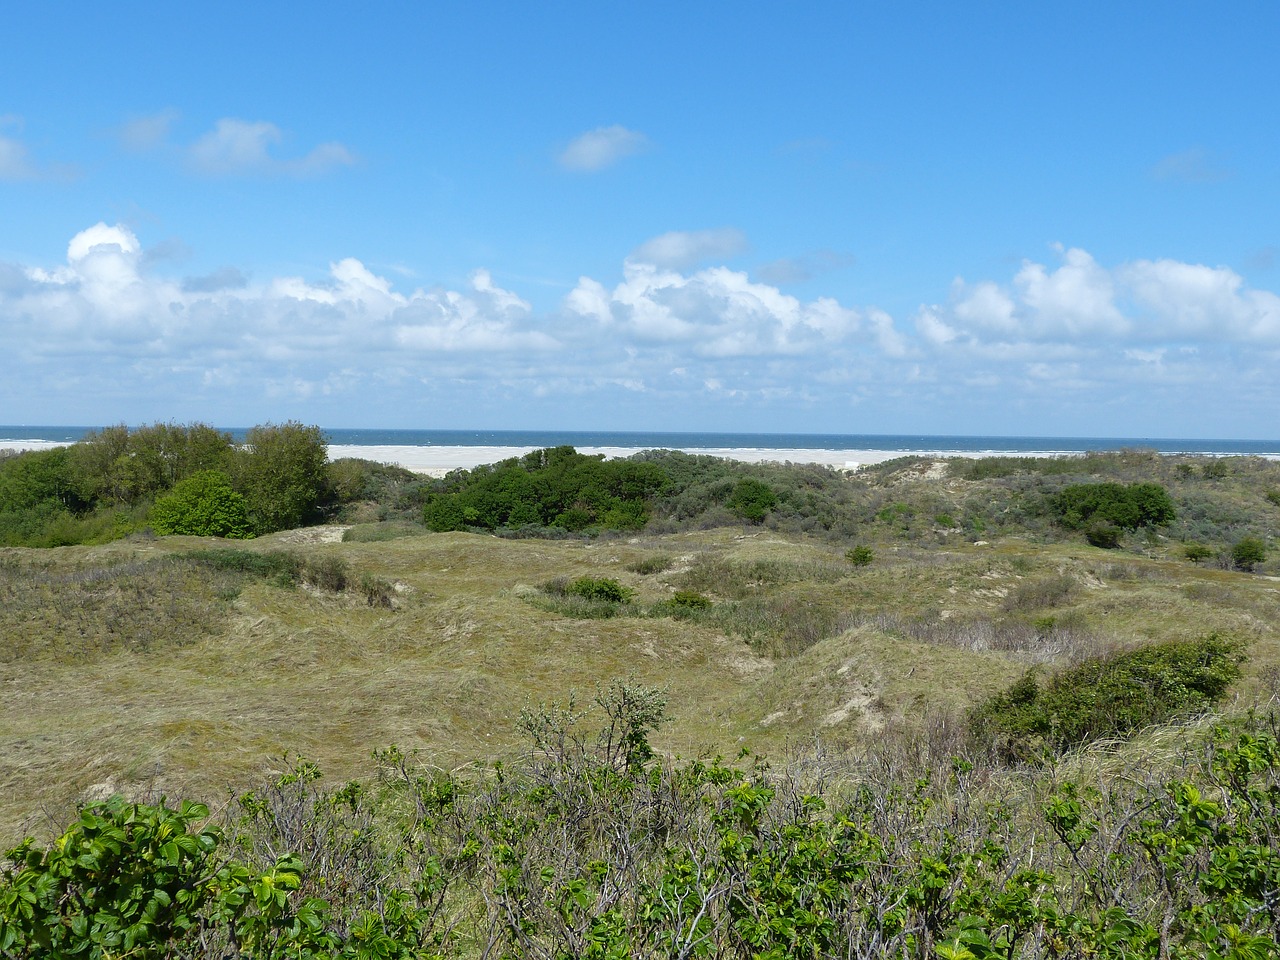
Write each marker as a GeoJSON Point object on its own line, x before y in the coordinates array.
{"type": "Point", "coordinates": [170, 666]}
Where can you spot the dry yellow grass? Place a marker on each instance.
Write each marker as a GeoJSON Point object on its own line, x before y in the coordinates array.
{"type": "Point", "coordinates": [449, 670]}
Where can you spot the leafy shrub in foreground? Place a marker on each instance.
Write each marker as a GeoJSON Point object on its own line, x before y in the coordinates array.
{"type": "Point", "coordinates": [1106, 697]}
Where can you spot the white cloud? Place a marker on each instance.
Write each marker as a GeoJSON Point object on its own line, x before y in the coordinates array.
{"type": "Point", "coordinates": [717, 312]}
{"type": "Point", "coordinates": [600, 148]}
{"type": "Point", "coordinates": [1077, 298]}
{"type": "Point", "coordinates": [681, 249]}
{"type": "Point", "coordinates": [107, 323]}
{"type": "Point", "coordinates": [1192, 300]}
{"type": "Point", "coordinates": [236, 147]}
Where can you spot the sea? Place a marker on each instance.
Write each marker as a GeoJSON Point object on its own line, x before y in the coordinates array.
{"type": "Point", "coordinates": [906, 444]}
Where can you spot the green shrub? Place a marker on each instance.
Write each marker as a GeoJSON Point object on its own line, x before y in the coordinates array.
{"type": "Point", "coordinates": [325, 572]}
{"type": "Point", "coordinates": [136, 880]}
{"type": "Point", "coordinates": [281, 471]}
{"type": "Point", "coordinates": [1248, 553]}
{"type": "Point", "coordinates": [600, 588]}
{"type": "Point", "coordinates": [280, 566]}
{"type": "Point", "coordinates": [557, 487]}
{"type": "Point", "coordinates": [1215, 469]}
{"type": "Point", "coordinates": [1195, 552]}
{"type": "Point", "coordinates": [1106, 697]}
{"type": "Point", "coordinates": [860, 556]}
{"type": "Point", "coordinates": [202, 505]}
{"type": "Point", "coordinates": [1273, 496]}
{"type": "Point", "coordinates": [690, 600]}
{"type": "Point", "coordinates": [1099, 533]}
{"type": "Point", "coordinates": [377, 591]}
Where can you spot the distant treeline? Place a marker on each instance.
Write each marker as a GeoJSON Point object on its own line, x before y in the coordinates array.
{"type": "Point", "coordinates": [194, 479]}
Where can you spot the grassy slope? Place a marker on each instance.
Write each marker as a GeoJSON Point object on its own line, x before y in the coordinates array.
{"type": "Point", "coordinates": [157, 680]}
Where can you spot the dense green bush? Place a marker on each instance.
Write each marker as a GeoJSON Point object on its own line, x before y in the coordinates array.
{"type": "Point", "coordinates": [202, 505]}
{"type": "Point", "coordinates": [1248, 553]}
{"type": "Point", "coordinates": [600, 588]}
{"type": "Point", "coordinates": [556, 487]}
{"type": "Point", "coordinates": [1106, 697]}
{"type": "Point", "coordinates": [690, 600]}
{"type": "Point", "coordinates": [860, 556]}
{"type": "Point", "coordinates": [280, 566]}
{"type": "Point", "coordinates": [1195, 552]}
{"type": "Point", "coordinates": [1126, 506]}
{"type": "Point", "coordinates": [1100, 533]}
{"type": "Point", "coordinates": [118, 465]}
{"type": "Point", "coordinates": [102, 487]}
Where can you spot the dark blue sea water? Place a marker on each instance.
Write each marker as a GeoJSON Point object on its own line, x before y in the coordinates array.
{"type": "Point", "coordinates": [906, 443]}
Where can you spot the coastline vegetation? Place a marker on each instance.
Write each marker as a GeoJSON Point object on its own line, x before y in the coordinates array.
{"type": "Point", "coordinates": [989, 730]}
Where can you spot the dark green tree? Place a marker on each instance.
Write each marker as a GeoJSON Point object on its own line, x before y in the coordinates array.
{"type": "Point", "coordinates": [752, 499]}
{"type": "Point", "coordinates": [1248, 553]}
{"type": "Point", "coordinates": [281, 472]}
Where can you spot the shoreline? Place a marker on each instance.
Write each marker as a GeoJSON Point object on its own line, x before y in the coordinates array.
{"type": "Point", "coordinates": [438, 461]}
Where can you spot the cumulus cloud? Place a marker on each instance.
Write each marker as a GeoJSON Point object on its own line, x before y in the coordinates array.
{"type": "Point", "coordinates": [108, 321]}
{"type": "Point", "coordinates": [600, 148]}
{"type": "Point", "coordinates": [237, 147]}
{"type": "Point", "coordinates": [715, 312]}
{"type": "Point", "coordinates": [1082, 302]}
{"type": "Point", "coordinates": [681, 249]}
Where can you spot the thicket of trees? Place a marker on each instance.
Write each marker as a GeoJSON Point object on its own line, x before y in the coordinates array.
{"type": "Point", "coordinates": [176, 478]}
{"type": "Point", "coordinates": [553, 488]}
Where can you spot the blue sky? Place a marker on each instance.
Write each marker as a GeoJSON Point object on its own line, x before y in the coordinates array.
{"type": "Point", "coordinates": [825, 217]}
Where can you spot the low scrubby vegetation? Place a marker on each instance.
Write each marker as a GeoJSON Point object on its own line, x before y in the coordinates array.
{"type": "Point", "coordinates": [989, 738]}
{"type": "Point", "coordinates": [590, 846]}
{"type": "Point", "coordinates": [1110, 696]}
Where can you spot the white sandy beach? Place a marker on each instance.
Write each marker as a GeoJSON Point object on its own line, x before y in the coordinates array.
{"type": "Point", "coordinates": [438, 461]}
